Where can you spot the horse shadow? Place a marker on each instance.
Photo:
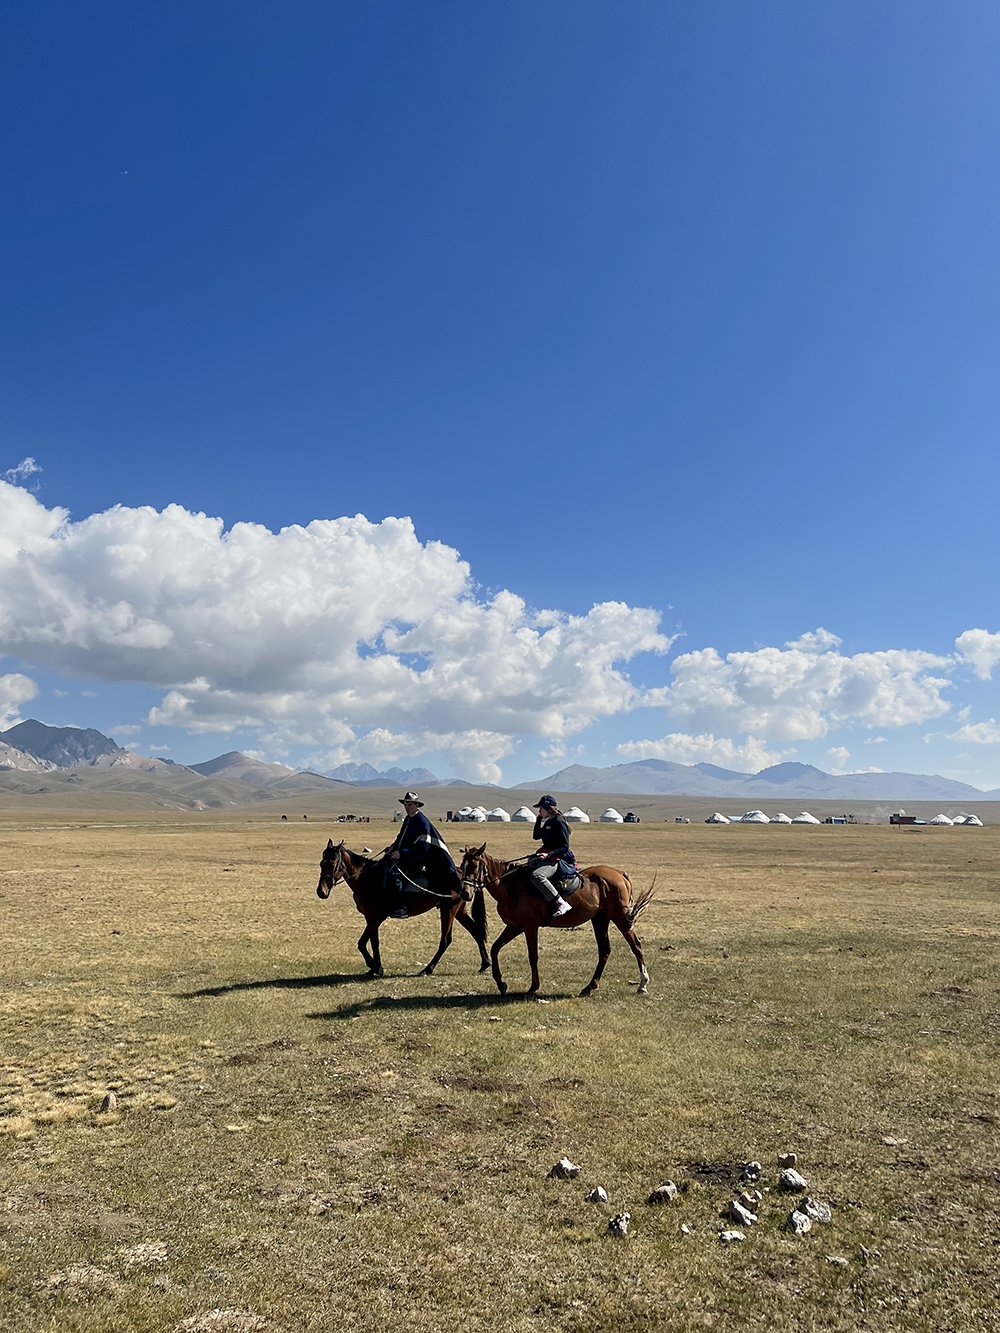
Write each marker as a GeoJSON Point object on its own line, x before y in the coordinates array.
{"type": "Point", "coordinates": [277, 983]}
{"type": "Point", "coordinates": [417, 1003]}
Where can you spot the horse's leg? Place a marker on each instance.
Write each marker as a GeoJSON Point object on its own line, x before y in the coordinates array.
{"type": "Point", "coordinates": [635, 944]}
{"type": "Point", "coordinates": [601, 924]}
{"type": "Point", "coordinates": [376, 963]}
{"type": "Point", "coordinates": [363, 947]}
{"type": "Point", "coordinates": [478, 933]}
{"type": "Point", "coordinates": [447, 919]}
{"type": "Point", "coordinates": [531, 939]}
{"type": "Point", "coordinates": [508, 933]}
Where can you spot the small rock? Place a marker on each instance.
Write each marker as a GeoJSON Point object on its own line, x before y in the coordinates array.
{"type": "Point", "coordinates": [564, 1170]}
{"type": "Point", "coordinates": [495, 1019]}
{"type": "Point", "coordinates": [110, 1102]}
{"type": "Point", "coordinates": [663, 1193]}
{"type": "Point", "coordinates": [597, 1195]}
{"type": "Point", "coordinates": [891, 1142]}
{"type": "Point", "coordinates": [869, 1255]}
{"type": "Point", "coordinates": [790, 1179]}
{"type": "Point", "coordinates": [816, 1211]}
{"type": "Point", "coordinates": [618, 1225]}
{"type": "Point", "coordinates": [737, 1213]}
{"type": "Point", "coordinates": [749, 1198]}
{"type": "Point", "coordinates": [752, 1171]}
{"type": "Point", "coordinates": [798, 1222]}
{"type": "Point", "coordinates": [836, 1260]}
{"type": "Point", "coordinates": [787, 1159]}
{"type": "Point", "coordinates": [731, 1237]}
{"type": "Point", "coordinates": [685, 1229]}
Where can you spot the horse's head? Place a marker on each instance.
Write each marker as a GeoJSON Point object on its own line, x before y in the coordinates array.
{"type": "Point", "coordinates": [473, 870]}
{"type": "Point", "coordinates": [331, 868]}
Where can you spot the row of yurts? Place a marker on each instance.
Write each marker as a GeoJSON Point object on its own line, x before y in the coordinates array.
{"type": "Point", "coordinates": [470, 814]}
{"type": "Point", "coordinates": [759, 817]}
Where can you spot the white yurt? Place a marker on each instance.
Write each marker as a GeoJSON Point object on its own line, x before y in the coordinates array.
{"type": "Point", "coordinates": [972, 821]}
{"type": "Point", "coordinates": [462, 816]}
{"type": "Point", "coordinates": [611, 816]}
{"type": "Point", "coordinates": [717, 819]}
{"type": "Point", "coordinates": [942, 819]}
{"type": "Point", "coordinates": [479, 814]}
{"type": "Point", "coordinates": [779, 818]}
{"type": "Point", "coordinates": [755, 817]}
{"type": "Point", "coordinates": [522, 815]}
{"type": "Point", "coordinates": [498, 816]}
{"type": "Point", "coordinates": [397, 816]}
{"type": "Point", "coordinates": [805, 818]}
{"type": "Point", "coordinates": [574, 815]}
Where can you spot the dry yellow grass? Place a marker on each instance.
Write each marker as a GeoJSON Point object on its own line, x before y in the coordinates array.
{"type": "Point", "coordinates": [295, 1148]}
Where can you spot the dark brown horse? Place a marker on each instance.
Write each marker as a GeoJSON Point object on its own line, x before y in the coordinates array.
{"type": "Point", "coordinates": [604, 896]}
{"type": "Point", "coordinates": [365, 876]}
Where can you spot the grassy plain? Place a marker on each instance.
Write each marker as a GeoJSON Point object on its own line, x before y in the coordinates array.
{"type": "Point", "coordinates": [297, 1148]}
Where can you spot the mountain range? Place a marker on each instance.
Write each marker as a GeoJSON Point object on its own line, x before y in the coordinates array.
{"type": "Point", "coordinates": [82, 758]}
{"type": "Point", "coordinates": [660, 777]}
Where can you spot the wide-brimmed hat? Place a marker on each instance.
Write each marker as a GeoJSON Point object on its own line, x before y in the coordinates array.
{"type": "Point", "coordinates": [545, 803]}
{"type": "Point", "coordinates": [410, 796]}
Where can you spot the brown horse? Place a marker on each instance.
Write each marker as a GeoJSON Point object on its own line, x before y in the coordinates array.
{"type": "Point", "coordinates": [365, 876]}
{"type": "Point", "coordinates": [604, 896]}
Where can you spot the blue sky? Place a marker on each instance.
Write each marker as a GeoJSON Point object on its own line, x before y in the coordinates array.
{"type": "Point", "coordinates": [686, 307]}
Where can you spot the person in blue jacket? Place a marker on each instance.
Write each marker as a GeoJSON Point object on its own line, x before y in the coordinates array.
{"type": "Point", "coordinates": [418, 849]}
{"type": "Point", "coordinates": [552, 831]}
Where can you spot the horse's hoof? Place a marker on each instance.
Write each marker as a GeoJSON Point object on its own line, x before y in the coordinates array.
{"type": "Point", "coordinates": [374, 974]}
{"type": "Point", "coordinates": [485, 968]}
{"type": "Point", "coordinates": [642, 991]}
{"type": "Point", "coordinates": [502, 987]}
{"type": "Point", "coordinates": [426, 972]}
{"type": "Point", "coordinates": [587, 990]}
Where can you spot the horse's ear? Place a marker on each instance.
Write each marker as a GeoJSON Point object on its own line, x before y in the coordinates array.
{"type": "Point", "coordinates": [481, 850]}
{"type": "Point", "coordinates": [329, 844]}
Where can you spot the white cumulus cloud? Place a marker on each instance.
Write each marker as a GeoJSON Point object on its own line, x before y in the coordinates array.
{"type": "Point", "coordinates": [308, 636]}
{"type": "Point", "coordinates": [977, 733]}
{"type": "Point", "coordinates": [680, 748]}
{"type": "Point", "coordinates": [981, 650]}
{"type": "Point", "coordinates": [15, 690]}
{"type": "Point", "coordinates": [803, 691]}
{"type": "Point", "coordinates": [838, 757]}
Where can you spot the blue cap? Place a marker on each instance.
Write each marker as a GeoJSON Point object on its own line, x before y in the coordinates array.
{"type": "Point", "coordinates": [546, 803]}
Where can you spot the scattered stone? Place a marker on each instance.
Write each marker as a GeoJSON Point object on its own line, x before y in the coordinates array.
{"type": "Point", "coordinates": [749, 1198]}
{"type": "Point", "coordinates": [147, 1252]}
{"type": "Point", "coordinates": [891, 1142]}
{"type": "Point", "coordinates": [685, 1229]}
{"type": "Point", "coordinates": [737, 1213]}
{"type": "Point", "coordinates": [663, 1193]}
{"type": "Point", "coordinates": [816, 1211]}
{"type": "Point", "coordinates": [752, 1171]}
{"type": "Point", "coordinates": [110, 1103]}
{"type": "Point", "coordinates": [790, 1179]}
{"type": "Point", "coordinates": [222, 1321]}
{"type": "Point", "coordinates": [869, 1255]}
{"type": "Point", "coordinates": [836, 1260]}
{"type": "Point", "coordinates": [798, 1222]}
{"type": "Point", "coordinates": [83, 1281]}
{"type": "Point", "coordinates": [597, 1195]}
{"type": "Point", "coordinates": [787, 1159]}
{"type": "Point", "coordinates": [731, 1237]}
{"type": "Point", "coordinates": [564, 1170]}
{"type": "Point", "coordinates": [618, 1225]}
{"type": "Point", "coordinates": [494, 1018]}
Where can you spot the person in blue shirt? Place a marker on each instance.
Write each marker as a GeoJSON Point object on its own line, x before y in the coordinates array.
{"type": "Point", "coordinates": [419, 849]}
{"type": "Point", "coordinates": [552, 831]}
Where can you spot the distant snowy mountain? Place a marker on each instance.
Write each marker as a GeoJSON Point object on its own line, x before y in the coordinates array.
{"type": "Point", "coordinates": [658, 777]}
{"type": "Point", "coordinates": [364, 775]}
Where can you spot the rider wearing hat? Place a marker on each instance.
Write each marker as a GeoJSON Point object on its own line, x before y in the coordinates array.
{"type": "Point", "coordinates": [552, 831]}
{"type": "Point", "coordinates": [418, 848]}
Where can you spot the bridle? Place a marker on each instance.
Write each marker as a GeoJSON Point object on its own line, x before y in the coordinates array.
{"type": "Point", "coordinates": [331, 869]}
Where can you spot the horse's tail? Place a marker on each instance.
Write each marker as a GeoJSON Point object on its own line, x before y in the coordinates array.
{"type": "Point", "coordinates": [639, 904]}
{"type": "Point", "coordinates": [479, 910]}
